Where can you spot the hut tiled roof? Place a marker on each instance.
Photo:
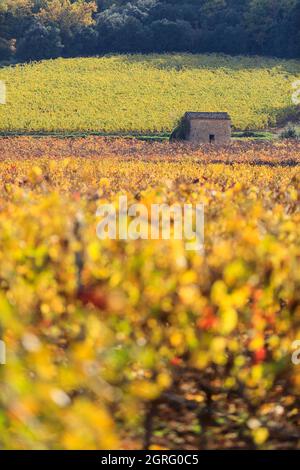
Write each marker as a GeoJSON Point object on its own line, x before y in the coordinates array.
{"type": "Point", "coordinates": [221, 116]}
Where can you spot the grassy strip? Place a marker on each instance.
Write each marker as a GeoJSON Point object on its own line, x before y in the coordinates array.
{"type": "Point", "coordinates": [161, 137]}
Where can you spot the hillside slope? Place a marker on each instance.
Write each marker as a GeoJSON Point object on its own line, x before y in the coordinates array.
{"type": "Point", "coordinates": [119, 94]}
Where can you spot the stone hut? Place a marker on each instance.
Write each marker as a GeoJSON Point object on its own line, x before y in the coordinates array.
{"type": "Point", "coordinates": [204, 128]}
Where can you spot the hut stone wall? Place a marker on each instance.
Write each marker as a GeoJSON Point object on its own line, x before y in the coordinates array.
{"type": "Point", "coordinates": [217, 131]}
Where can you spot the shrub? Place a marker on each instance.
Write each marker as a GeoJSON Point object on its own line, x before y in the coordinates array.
{"type": "Point", "coordinates": [289, 132]}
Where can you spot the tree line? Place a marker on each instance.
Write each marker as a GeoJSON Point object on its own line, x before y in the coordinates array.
{"type": "Point", "coordinates": [43, 29]}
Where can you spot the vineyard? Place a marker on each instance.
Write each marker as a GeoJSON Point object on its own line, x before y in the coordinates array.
{"type": "Point", "coordinates": [142, 344]}
{"type": "Point", "coordinates": [145, 94]}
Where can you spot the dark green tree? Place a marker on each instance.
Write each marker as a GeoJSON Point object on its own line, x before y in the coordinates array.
{"type": "Point", "coordinates": [40, 42]}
